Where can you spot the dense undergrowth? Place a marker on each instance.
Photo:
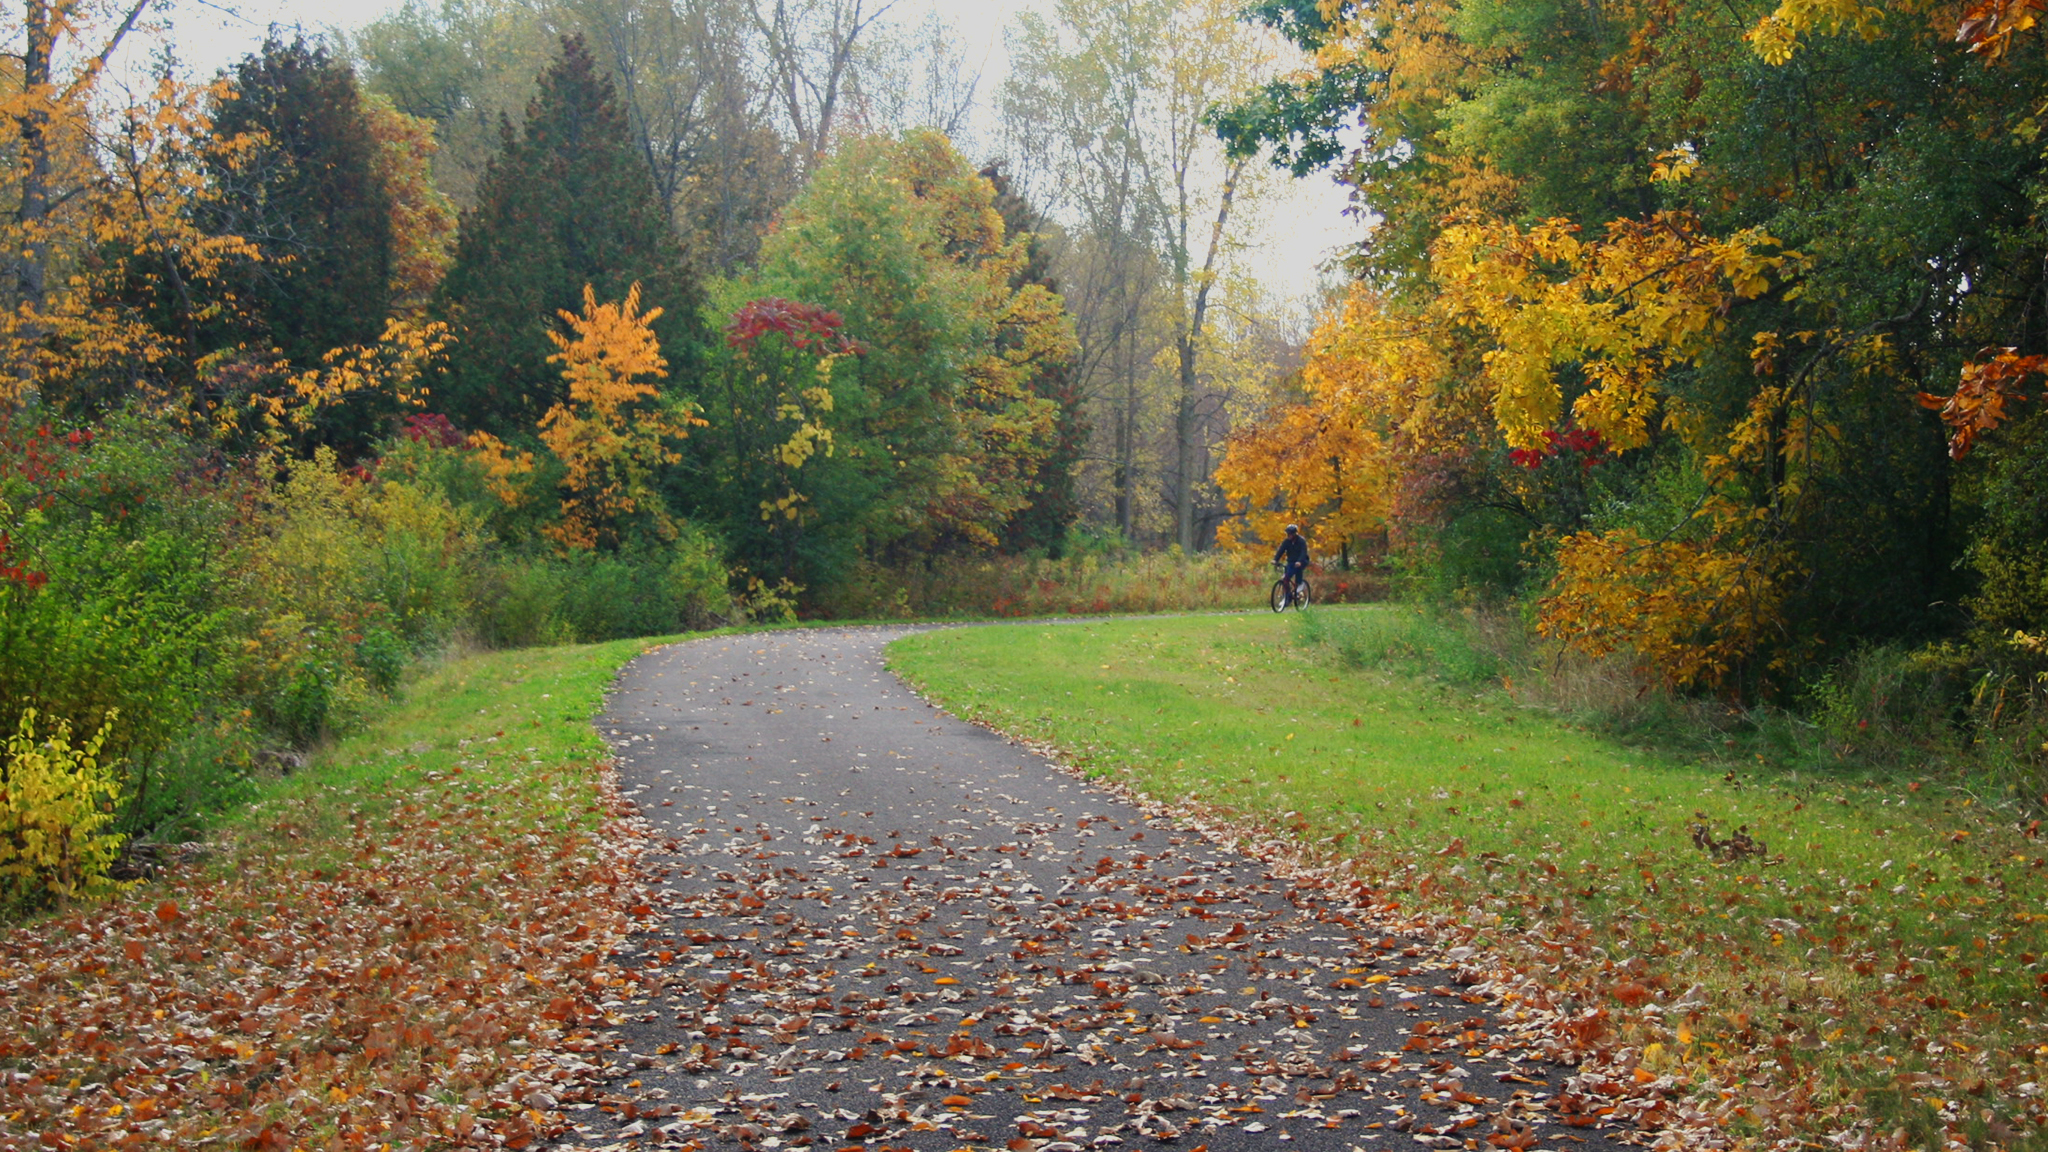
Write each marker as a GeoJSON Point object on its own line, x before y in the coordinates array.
{"type": "Point", "coordinates": [1082, 582]}
{"type": "Point", "coordinates": [210, 621]}
{"type": "Point", "coordinates": [1852, 955]}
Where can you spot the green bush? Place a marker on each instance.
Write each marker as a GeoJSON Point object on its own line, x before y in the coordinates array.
{"type": "Point", "coordinates": [1477, 555]}
{"type": "Point", "coordinates": [519, 604]}
{"type": "Point", "coordinates": [119, 603]}
{"type": "Point", "coordinates": [383, 656]}
{"type": "Point", "coordinates": [300, 706]}
{"type": "Point", "coordinates": [587, 597]}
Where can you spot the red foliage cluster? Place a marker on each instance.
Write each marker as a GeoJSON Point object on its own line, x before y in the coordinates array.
{"type": "Point", "coordinates": [805, 326]}
{"type": "Point", "coordinates": [435, 429]}
{"type": "Point", "coordinates": [1587, 445]}
{"type": "Point", "coordinates": [42, 456]}
{"type": "Point", "coordinates": [43, 459]}
{"type": "Point", "coordinates": [15, 573]}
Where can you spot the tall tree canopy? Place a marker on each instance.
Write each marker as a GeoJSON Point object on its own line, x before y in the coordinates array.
{"type": "Point", "coordinates": [1700, 275]}
{"type": "Point", "coordinates": [1043, 524]}
{"type": "Point", "coordinates": [565, 205]}
{"type": "Point", "coordinates": [308, 195]}
{"type": "Point", "coordinates": [930, 436]}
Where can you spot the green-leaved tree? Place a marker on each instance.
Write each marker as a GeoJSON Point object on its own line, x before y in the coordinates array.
{"type": "Point", "coordinates": [309, 198]}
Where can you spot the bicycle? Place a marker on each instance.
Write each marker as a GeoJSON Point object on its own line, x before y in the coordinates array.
{"type": "Point", "coordinates": [1282, 598]}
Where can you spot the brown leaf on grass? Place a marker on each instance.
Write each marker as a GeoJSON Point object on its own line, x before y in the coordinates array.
{"type": "Point", "coordinates": [403, 997]}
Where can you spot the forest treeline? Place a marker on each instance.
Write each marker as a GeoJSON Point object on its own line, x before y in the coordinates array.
{"type": "Point", "coordinates": [543, 320]}
{"type": "Point", "coordinates": [1711, 334]}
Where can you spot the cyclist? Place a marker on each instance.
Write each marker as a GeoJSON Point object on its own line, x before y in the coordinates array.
{"type": "Point", "coordinates": [1292, 557]}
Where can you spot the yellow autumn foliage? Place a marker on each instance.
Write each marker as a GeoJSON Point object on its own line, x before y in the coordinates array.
{"type": "Point", "coordinates": [57, 802]}
{"type": "Point", "coordinates": [1689, 612]}
{"type": "Point", "coordinates": [611, 434]}
{"type": "Point", "coordinates": [1625, 309]}
{"type": "Point", "coordinates": [392, 366]}
{"type": "Point", "coordinates": [1377, 393]}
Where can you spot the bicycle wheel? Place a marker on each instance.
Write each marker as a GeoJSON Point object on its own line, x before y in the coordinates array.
{"type": "Point", "coordinates": [1301, 593]}
{"type": "Point", "coordinates": [1279, 597]}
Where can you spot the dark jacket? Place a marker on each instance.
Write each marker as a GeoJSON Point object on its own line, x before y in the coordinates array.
{"type": "Point", "coordinates": [1294, 550]}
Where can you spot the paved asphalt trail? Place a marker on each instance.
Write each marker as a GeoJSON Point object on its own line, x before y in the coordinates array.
{"type": "Point", "coordinates": [888, 928]}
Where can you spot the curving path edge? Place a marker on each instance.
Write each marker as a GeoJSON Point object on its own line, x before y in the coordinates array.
{"type": "Point", "coordinates": [887, 929]}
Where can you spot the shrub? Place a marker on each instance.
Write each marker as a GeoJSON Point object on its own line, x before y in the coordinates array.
{"type": "Point", "coordinates": [519, 604]}
{"type": "Point", "coordinates": [382, 656]}
{"type": "Point", "coordinates": [57, 803]}
{"type": "Point", "coordinates": [117, 536]}
{"type": "Point", "coordinates": [344, 576]}
{"type": "Point", "coordinates": [589, 596]}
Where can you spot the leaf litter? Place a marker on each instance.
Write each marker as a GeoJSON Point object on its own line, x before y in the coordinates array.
{"type": "Point", "coordinates": [439, 981]}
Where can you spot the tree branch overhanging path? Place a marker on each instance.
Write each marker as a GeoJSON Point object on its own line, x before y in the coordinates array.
{"type": "Point", "coordinates": [886, 927]}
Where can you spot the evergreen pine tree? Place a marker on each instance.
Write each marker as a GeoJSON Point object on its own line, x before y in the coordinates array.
{"type": "Point", "coordinates": [310, 199]}
{"type": "Point", "coordinates": [565, 203]}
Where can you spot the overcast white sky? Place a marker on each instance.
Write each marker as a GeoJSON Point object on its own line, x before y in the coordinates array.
{"type": "Point", "coordinates": [1300, 229]}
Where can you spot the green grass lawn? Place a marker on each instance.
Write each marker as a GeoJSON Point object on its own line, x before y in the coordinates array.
{"type": "Point", "coordinates": [1881, 957]}
{"type": "Point", "coordinates": [495, 715]}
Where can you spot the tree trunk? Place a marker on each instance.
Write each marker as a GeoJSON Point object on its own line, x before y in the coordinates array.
{"type": "Point", "coordinates": [1123, 477]}
{"type": "Point", "coordinates": [1184, 440]}
{"type": "Point", "coordinates": [1185, 425]}
{"type": "Point", "coordinates": [31, 266]}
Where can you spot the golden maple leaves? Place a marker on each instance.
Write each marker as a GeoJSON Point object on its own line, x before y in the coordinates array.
{"type": "Point", "coordinates": [1624, 309]}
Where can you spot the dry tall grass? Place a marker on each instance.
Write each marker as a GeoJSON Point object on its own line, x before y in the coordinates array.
{"type": "Point", "coordinates": [1022, 586]}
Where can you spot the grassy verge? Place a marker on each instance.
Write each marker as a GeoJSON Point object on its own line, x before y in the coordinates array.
{"type": "Point", "coordinates": [1864, 961]}
{"type": "Point", "coordinates": [401, 945]}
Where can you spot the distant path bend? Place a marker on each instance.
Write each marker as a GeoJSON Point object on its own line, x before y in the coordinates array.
{"type": "Point", "coordinates": [890, 928]}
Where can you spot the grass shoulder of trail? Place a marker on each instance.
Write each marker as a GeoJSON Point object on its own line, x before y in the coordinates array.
{"type": "Point", "coordinates": [394, 946]}
{"type": "Point", "coordinates": [1876, 972]}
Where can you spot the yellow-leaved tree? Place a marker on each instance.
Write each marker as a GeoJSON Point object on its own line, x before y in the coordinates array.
{"type": "Point", "coordinates": [1622, 311]}
{"type": "Point", "coordinates": [1377, 400]}
{"type": "Point", "coordinates": [610, 436]}
{"type": "Point", "coordinates": [107, 199]}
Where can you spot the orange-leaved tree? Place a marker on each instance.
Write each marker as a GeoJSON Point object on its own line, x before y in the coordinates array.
{"type": "Point", "coordinates": [607, 441]}
{"type": "Point", "coordinates": [1377, 403]}
{"type": "Point", "coordinates": [110, 271]}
